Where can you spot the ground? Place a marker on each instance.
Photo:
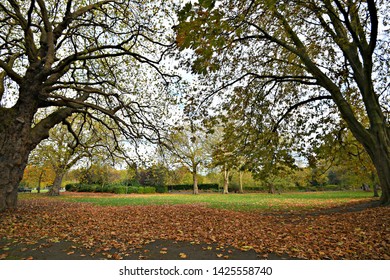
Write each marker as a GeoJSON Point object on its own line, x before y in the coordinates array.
{"type": "Point", "coordinates": [55, 229]}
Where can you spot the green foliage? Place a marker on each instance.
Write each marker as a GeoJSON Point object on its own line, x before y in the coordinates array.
{"type": "Point", "coordinates": [149, 190]}
{"type": "Point", "coordinates": [112, 188]}
{"type": "Point", "coordinates": [156, 175]}
{"type": "Point", "coordinates": [161, 189]}
{"type": "Point", "coordinates": [187, 187]}
{"type": "Point", "coordinates": [120, 189]}
{"type": "Point", "coordinates": [71, 187]}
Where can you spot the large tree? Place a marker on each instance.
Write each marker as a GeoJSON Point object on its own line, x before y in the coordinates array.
{"type": "Point", "coordinates": [316, 60]}
{"type": "Point", "coordinates": [74, 57]}
{"type": "Point", "coordinates": [190, 147]}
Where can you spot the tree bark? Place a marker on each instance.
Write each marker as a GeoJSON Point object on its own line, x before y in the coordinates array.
{"type": "Point", "coordinates": [226, 180]}
{"type": "Point", "coordinates": [241, 190]}
{"type": "Point", "coordinates": [18, 138]}
{"type": "Point", "coordinates": [55, 190]}
{"type": "Point", "coordinates": [15, 148]}
{"type": "Point", "coordinates": [380, 155]}
{"type": "Point", "coordinates": [195, 180]}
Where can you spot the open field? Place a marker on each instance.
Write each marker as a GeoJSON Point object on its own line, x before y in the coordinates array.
{"type": "Point", "coordinates": [334, 225]}
{"type": "Point", "coordinates": [241, 202]}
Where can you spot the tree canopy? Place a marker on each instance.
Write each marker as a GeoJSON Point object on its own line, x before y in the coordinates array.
{"type": "Point", "coordinates": [98, 59]}
{"type": "Point", "coordinates": [296, 67]}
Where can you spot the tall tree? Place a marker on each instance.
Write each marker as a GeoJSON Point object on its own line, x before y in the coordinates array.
{"type": "Point", "coordinates": [62, 150]}
{"type": "Point", "coordinates": [315, 59]}
{"type": "Point", "coordinates": [189, 147]}
{"type": "Point", "coordinates": [69, 57]}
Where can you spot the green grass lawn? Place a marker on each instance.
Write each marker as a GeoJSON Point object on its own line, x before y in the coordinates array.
{"type": "Point", "coordinates": [245, 202]}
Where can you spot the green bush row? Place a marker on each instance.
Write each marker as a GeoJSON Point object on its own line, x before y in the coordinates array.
{"type": "Point", "coordinates": [185, 187]}
{"type": "Point", "coordinates": [117, 189]}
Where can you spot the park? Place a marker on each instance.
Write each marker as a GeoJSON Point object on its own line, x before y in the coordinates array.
{"type": "Point", "coordinates": [324, 225]}
{"type": "Point", "coordinates": [213, 130]}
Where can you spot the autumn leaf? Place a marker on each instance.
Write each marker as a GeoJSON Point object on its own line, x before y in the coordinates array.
{"type": "Point", "coordinates": [182, 255]}
{"type": "Point", "coordinates": [3, 256]}
{"type": "Point", "coordinates": [304, 235]}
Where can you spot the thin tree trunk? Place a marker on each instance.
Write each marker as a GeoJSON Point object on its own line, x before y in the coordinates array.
{"type": "Point", "coordinates": [195, 181]}
{"type": "Point", "coordinates": [241, 190]}
{"type": "Point", "coordinates": [40, 180]}
{"type": "Point", "coordinates": [226, 180]}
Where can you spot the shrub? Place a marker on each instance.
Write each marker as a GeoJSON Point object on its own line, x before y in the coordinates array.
{"type": "Point", "coordinates": [107, 189]}
{"type": "Point", "coordinates": [132, 190]}
{"type": "Point", "coordinates": [255, 189]}
{"type": "Point", "coordinates": [208, 186]}
{"type": "Point", "coordinates": [120, 189]}
{"type": "Point", "coordinates": [71, 187]}
{"type": "Point", "coordinates": [140, 190]}
{"type": "Point", "coordinates": [149, 190]}
{"type": "Point", "coordinates": [162, 189]}
{"type": "Point", "coordinates": [186, 187]}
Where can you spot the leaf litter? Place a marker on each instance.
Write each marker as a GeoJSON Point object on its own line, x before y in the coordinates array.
{"type": "Point", "coordinates": [116, 230]}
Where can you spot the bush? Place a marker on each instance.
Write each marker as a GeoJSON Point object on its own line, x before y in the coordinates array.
{"type": "Point", "coordinates": [149, 190]}
{"type": "Point", "coordinates": [108, 189]}
{"type": "Point", "coordinates": [132, 190]}
{"type": "Point", "coordinates": [140, 190]}
{"type": "Point", "coordinates": [255, 189]}
{"type": "Point", "coordinates": [187, 187]}
{"type": "Point", "coordinates": [208, 186]}
{"type": "Point", "coordinates": [120, 189]}
{"type": "Point", "coordinates": [86, 188]}
{"type": "Point", "coordinates": [162, 189]}
{"type": "Point", "coordinates": [111, 188]}
{"type": "Point", "coordinates": [71, 187]}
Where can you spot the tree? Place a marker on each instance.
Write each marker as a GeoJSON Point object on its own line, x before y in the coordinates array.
{"type": "Point", "coordinates": [62, 150]}
{"type": "Point", "coordinates": [38, 173]}
{"type": "Point", "coordinates": [65, 58]}
{"type": "Point", "coordinates": [226, 152]}
{"type": "Point", "coordinates": [189, 147]}
{"type": "Point", "coordinates": [315, 59]}
{"type": "Point", "coordinates": [344, 154]}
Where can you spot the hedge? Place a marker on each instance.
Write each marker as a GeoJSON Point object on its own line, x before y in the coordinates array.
{"type": "Point", "coordinates": [117, 189]}
{"type": "Point", "coordinates": [186, 187]}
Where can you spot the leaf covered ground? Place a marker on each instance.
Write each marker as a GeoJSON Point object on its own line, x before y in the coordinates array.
{"type": "Point", "coordinates": [123, 232]}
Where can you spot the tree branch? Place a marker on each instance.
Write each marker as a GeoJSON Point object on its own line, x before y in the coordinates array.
{"type": "Point", "coordinates": [297, 105]}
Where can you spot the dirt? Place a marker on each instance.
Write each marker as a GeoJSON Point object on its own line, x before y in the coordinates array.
{"type": "Point", "coordinates": [157, 250]}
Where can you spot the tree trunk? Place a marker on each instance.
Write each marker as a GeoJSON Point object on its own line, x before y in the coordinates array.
{"type": "Point", "coordinates": [271, 188]}
{"type": "Point", "coordinates": [40, 180]}
{"type": "Point", "coordinates": [380, 156]}
{"type": "Point", "coordinates": [55, 190]}
{"type": "Point", "coordinates": [376, 189]}
{"type": "Point", "coordinates": [195, 181]}
{"type": "Point", "coordinates": [226, 180]}
{"type": "Point", "coordinates": [241, 190]}
{"type": "Point", "coordinates": [14, 152]}
{"type": "Point", "coordinates": [382, 165]}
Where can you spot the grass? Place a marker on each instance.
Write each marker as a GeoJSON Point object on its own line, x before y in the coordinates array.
{"type": "Point", "coordinates": [244, 202]}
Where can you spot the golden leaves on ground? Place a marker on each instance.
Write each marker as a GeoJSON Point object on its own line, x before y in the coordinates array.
{"type": "Point", "coordinates": [114, 231]}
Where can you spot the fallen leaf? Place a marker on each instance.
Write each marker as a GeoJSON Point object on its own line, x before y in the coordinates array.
{"type": "Point", "coordinates": [183, 255]}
